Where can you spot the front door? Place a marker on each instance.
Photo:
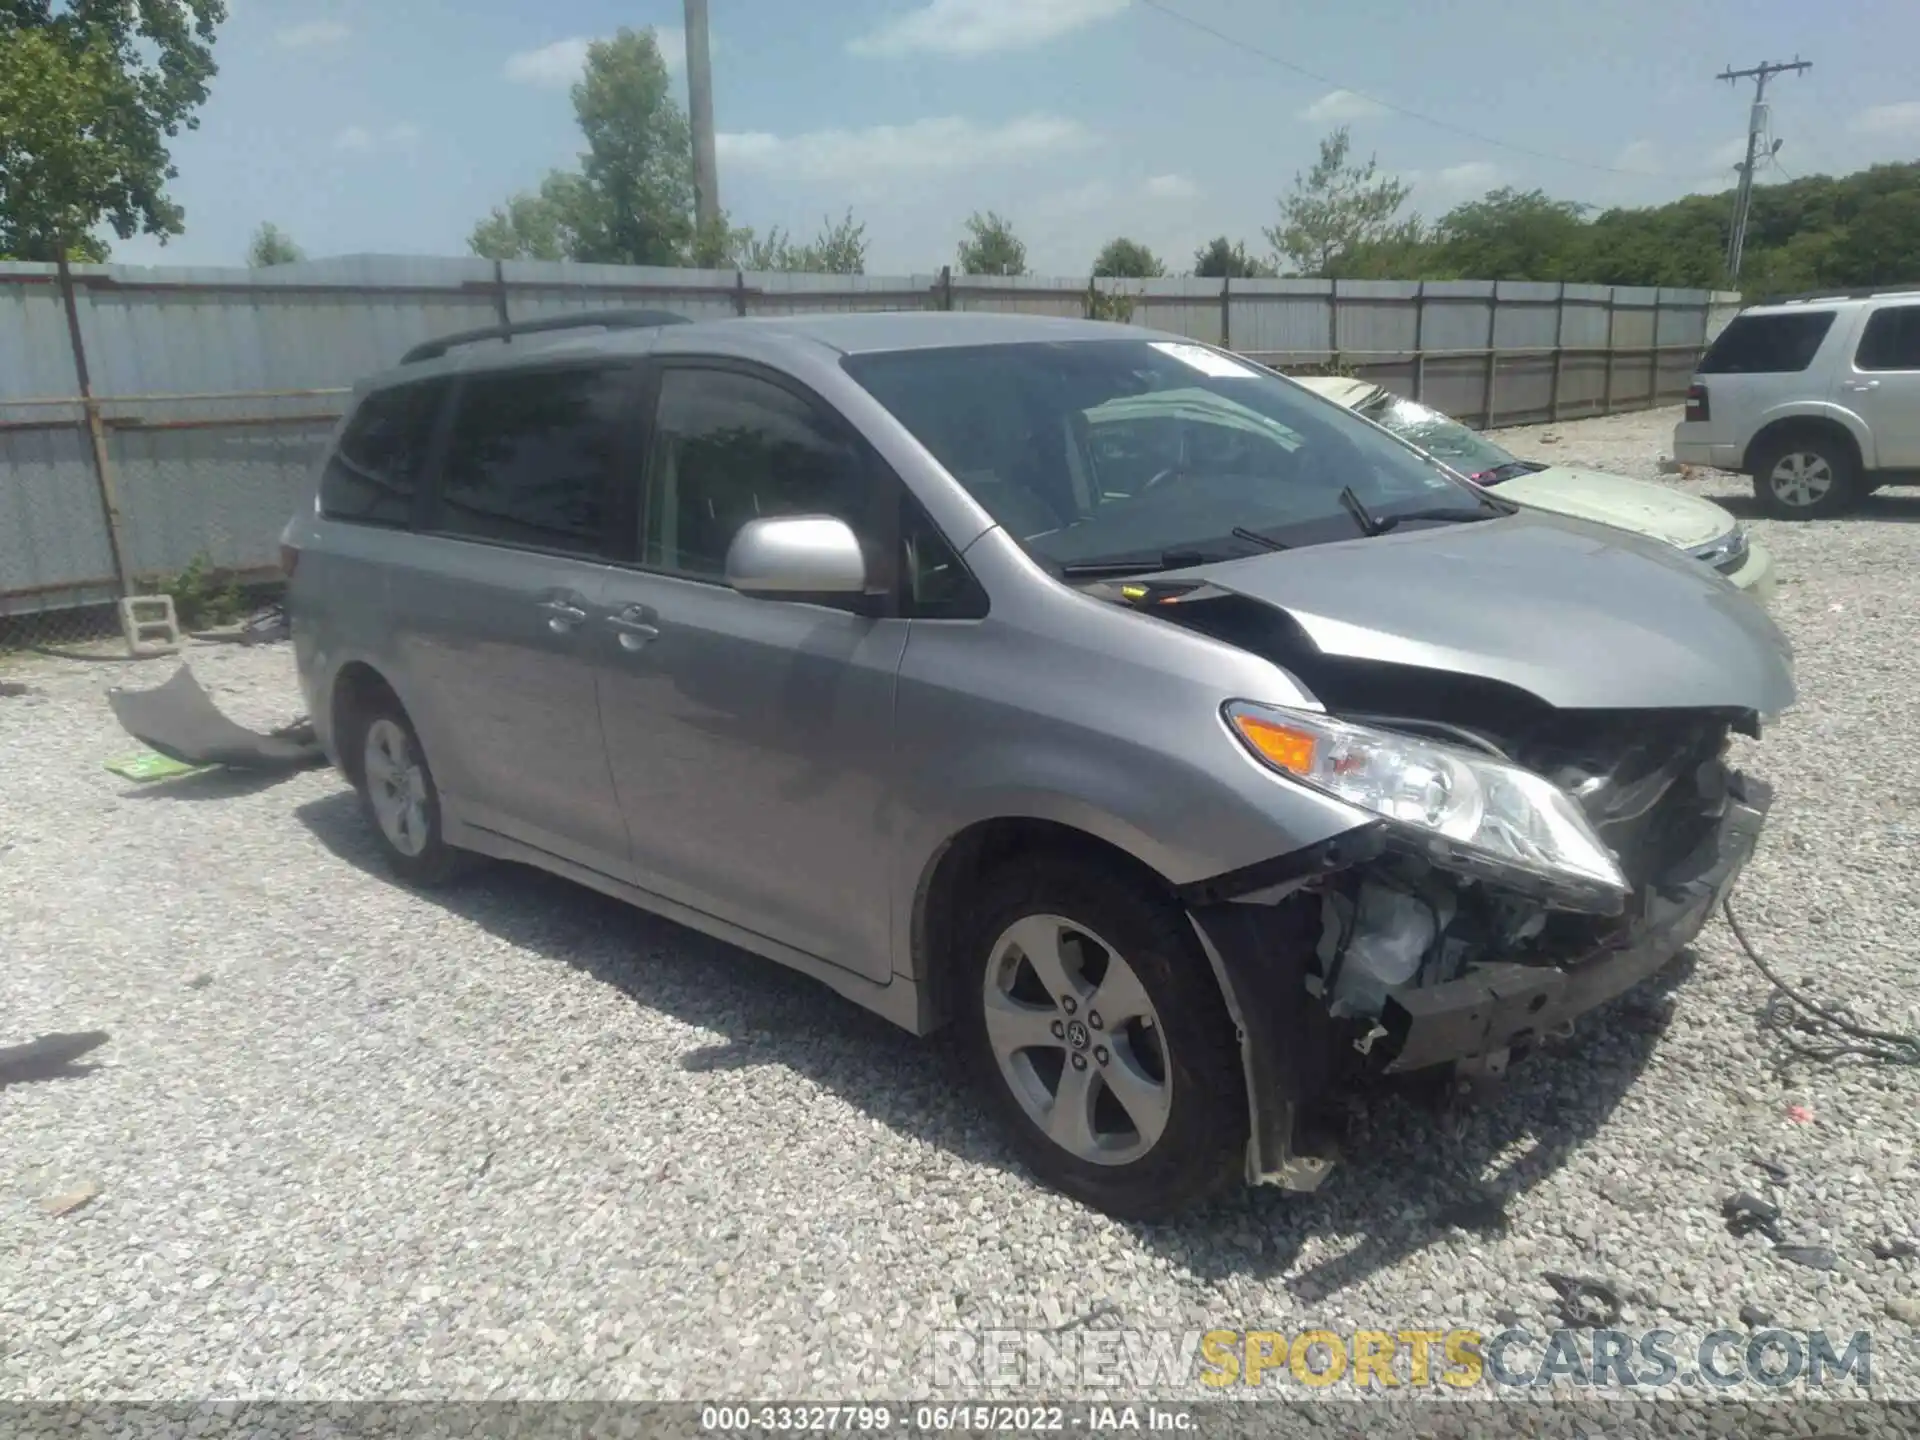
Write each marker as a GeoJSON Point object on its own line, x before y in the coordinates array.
{"type": "Point", "coordinates": [751, 740]}
{"type": "Point", "coordinates": [499, 614]}
{"type": "Point", "coordinates": [1882, 385]}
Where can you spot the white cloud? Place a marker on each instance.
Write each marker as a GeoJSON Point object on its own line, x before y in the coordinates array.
{"type": "Point", "coordinates": [1436, 191]}
{"type": "Point", "coordinates": [1170, 187]}
{"type": "Point", "coordinates": [1338, 106]}
{"type": "Point", "coordinates": [980, 27]}
{"type": "Point", "coordinates": [1471, 175]}
{"type": "Point", "coordinates": [947, 143]}
{"type": "Point", "coordinates": [1730, 152]}
{"type": "Point", "coordinates": [1640, 156]}
{"type": "Point", "coordinates": [551, 67]}
{"type": "Point", "coordinates": [1901, 118]}
{"type": "Point", "coordinates": [359, 140]}
{"type": "Point", "coordinates": [313, 35]}
{"type": "Point", "coordinates": [558, 65]}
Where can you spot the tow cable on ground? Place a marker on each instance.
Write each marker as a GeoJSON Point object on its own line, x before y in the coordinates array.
{"type": "Point", "coordinates": [1888, 1046]}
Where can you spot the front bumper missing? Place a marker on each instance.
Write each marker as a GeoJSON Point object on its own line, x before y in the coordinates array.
{"type": "Point", "coordinates": [1286, 1046]}
{"type": "Point", "coordinates": [1498, 1007]}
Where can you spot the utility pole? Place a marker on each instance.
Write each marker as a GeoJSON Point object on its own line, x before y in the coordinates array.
{"type": "Point", "coordinates": [1759, 74]}
{"type": "Point", "coordinates": [706, 170]}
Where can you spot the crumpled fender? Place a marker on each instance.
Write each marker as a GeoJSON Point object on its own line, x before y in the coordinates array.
{"type": "Point", "coordinates": [1261, 965]}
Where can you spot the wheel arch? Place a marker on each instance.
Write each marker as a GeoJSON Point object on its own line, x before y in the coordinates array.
{"type": "Point", "coordinates": [966, 858]}
{"type": "Point", "coordinates": [1824, 423]}
{"type": "Point", "coordinates": [356, 683]}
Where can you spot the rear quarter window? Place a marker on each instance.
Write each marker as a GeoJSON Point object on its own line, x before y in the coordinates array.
{"type": "Point", "coordinates": [1767, 344]}
{"type": "Point", "coordinates": [375, 472]}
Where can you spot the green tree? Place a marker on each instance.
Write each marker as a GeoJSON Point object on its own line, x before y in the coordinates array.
{"type": "Point", "coordinates": [91, 91]}
{"type": "Point", "coordinates": [638, 167]}
{"type": "Point", "coordinates": [631, 201]}
{"type": "Point", "coordinates": [272, 246]}
{"type": "Point", "coordinates": [1220, 260]}
{"type": "Point", "coordinates": [1129, 259]}
{"type": "Point", "coordinates": [1512, 234]}
{"type": "Point", "coordinates": [1335, 208]}
{"type": "Point", "coordinates": [550, 223]}
{"type": "Point", "coordinates": [991, 247]}
{"type": "Point", "coordinates": [839, 249]}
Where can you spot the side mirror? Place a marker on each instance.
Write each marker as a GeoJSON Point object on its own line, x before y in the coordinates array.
{"type": "Point", "coordinates": [794, 557]}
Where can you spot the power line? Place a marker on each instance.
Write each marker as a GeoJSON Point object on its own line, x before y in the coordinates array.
{"type": "Point", "coordinates": [1434, 120]}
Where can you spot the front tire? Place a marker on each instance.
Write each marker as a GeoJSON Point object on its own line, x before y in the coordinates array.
{"type": "Point", "coordinates": [1805, 477]}
{"type": "Point", "coordinates": [1097, 1031]}
{"type": "Point", "coordinates": [398, 795]}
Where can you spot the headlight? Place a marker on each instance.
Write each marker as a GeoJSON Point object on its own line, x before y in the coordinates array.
{"type": "Point", "coordinates": [1458, 807]}
{"type": "Point", "coordinates": [1725, 554]}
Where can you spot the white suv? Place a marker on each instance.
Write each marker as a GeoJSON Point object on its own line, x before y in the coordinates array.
{"type": "Point", "coordinates": [1817, 398]}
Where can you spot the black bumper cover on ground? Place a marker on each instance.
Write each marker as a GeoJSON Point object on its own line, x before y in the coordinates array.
{"type": "Point", "coordinates": [180, 721]}
{"type": "Point", "coordinates": [1497, 1007]}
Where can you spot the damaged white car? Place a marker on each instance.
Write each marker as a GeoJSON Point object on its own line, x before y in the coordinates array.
{"type": "Point", "coordinates": [1702, 529]}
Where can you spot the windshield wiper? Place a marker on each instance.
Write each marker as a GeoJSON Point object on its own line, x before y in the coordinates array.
{"type": "Point", "coordinates": [1507, 471]}
{"type": "Point", "coordinates": [1180, 559]}
{"type": "Point", "coordinates": [1254, 537]}
{"type": "Point", "coordinates": [1369, 523]}
{"type": "Point", "coordinates": [1115, 569]}
{"type": "Point", "coordinates": [1441, 512]}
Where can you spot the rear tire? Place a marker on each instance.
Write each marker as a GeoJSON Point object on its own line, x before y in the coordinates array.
{"type": "Point", "coordinates": [1154, 1096]}
{"type": "Point", "coordinates": [1805, 476]}
{"type": "Point", "coordinates": [398, 794]}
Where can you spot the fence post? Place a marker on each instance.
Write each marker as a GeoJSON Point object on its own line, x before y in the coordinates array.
{"type": "Point", "coordinates": [1419, 338]}
{"type": "Point", "coordinates": [1559, 353]}
{"type": "Point", "coordinates": [1606, 395]}
{"type": "Point", "coordinates": [96, 433]}
{"type": "Point", "coordinates": [1333, 326]}
{"type": "Point", "coordinates": [1226, 312]}
{"type": "Point", "coordinates": [1653, 356]}
{"type": "Point", "coordinates": [739, 292]}
{"type": "Point", "coordinates": [500, 295]}
{"type": "Point", "coordinates": [1493, 355]}
{"type": "Point", "coordinates": [946, 287]}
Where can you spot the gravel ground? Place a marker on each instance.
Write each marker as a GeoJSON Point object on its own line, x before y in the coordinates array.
{"type": "Point", "coordinates": [518, 1140]}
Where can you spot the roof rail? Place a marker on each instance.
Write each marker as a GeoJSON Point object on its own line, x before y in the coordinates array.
{"type": "Point", "coordinates": [585, 320]}
{"type": "Point", "coordinates": [1838, 292]}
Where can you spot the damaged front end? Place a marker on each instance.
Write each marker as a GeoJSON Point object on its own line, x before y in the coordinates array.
{"type": "Point", "coordinates": [1522, 873]}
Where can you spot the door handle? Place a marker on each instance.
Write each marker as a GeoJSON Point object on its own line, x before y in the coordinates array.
{"type": "Point", "coordinates": [1858, 385]}
{"type": "Point", "coordinates": [633, 628]}
{"type": "Point", "coordinates": [562, 615]}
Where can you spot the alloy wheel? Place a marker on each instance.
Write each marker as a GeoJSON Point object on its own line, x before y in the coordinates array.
{"type": "Point", "coordinates": [1077, 1040]}
{"type": "Point", "coordinates": [1801, 478]}
{"type": "Point", "coordinates": [397, 787]}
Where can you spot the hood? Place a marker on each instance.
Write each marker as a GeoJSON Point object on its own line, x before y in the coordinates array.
{"type": "Point", "coordinates": [1581, 616]}
{"type": "Point", "coordinates": [1640, 505]}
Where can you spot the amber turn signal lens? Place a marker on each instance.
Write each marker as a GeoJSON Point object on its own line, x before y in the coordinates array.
{"type": "Point", "coordinates": [1281, 745]}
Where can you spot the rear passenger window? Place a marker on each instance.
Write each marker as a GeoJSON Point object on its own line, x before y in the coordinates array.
{"type": "Point", "coordinates": [1891, 340]}
{"type": "Point", "coordinates": [728, 448]}
{"type": "Point", "coordinates": [1767, 344]}
{"type": "Point", "coordinates": [532, 455]}
{"type": "Point", "coordinates": [374, 472]}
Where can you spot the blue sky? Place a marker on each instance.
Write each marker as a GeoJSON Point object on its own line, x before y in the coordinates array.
{"type": "Point", "coordinates": [392, 127]}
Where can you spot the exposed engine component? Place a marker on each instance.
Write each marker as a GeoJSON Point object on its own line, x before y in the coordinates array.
{"type": "Point", "coordinates": [1377, 939]}
{"type": "Point", "coordinates": [1650, 784]}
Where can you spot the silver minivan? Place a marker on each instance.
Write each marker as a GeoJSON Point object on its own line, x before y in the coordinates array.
{"type": "Point", "coordinates": [1192, 744]}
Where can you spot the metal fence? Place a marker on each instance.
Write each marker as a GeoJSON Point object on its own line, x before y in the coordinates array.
{"type": "Point", "coordinates": [157, 420]}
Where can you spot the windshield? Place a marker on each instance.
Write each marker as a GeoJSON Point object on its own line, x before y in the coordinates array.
{"type": "Point", "coordinates": [1116, 451]}
{"type": "Point", "coordinates": [1444, 438]}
